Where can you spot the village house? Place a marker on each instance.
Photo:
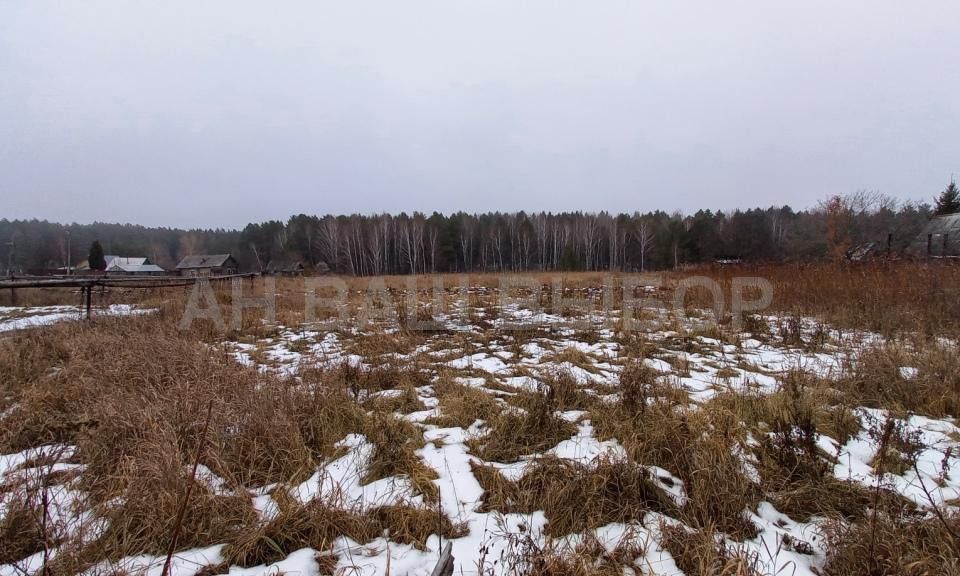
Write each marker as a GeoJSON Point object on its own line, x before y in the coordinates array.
{"type": "Point", "coordinates": [208, 265]}
{"type": "Point", "coordinates": [279, 267]}
{"type": "Point", "coordinates": [123, 266]}
{"type": "Point", "coordinates": [940, 238]}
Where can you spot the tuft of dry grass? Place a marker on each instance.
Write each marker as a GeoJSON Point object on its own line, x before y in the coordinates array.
{"type": "Point", "coordinates": [699, 445]}
{"type": "Point", "coordinates": [518, 432]}
{"type": "Point", "coordinates": [324, 413]}
{"type": "Point", "coordinates": [140, 500]}
{"type": "Point", "coordinates": [588, 558]}
{"type": "Point", "coordinates": [638, 385]}
{"type": "Point", "coordinates": [405, 402]}
{"type": "Point", "coordinates": [795, 473]}
{"type": "Point", "coordinates": [575, 496]}
{"type": "Point", "coordinates": [572, 355]}
{"type": "Point", "coordinates": [135, 414]}
{"type": "Point", "coordinates": [719, 493]}
{"type": "Point", "coordinates": [704, 552]}
{"type": "Point", "coordinates": [561, 390]}
{"type": "Point", "coordinates": [21, 529]}
{"type": "Point", "coordinates": [874, 378]}
{"type": "Point", "coordinates": [462, 405]}
{"type": "Point", "coordinates": [374, 345]}
{"type": "Point", "coordinates": [385, 376]}
{"type": "Point", "coordinates": [894, 544]}
{"type": "Point", "coordinates": [395, 443]}
{"type": "Point", "coordinates": [317, 523]}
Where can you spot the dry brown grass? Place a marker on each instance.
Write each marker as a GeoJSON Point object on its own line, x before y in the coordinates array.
{"type": "Point", "coordinates": [719, 493]}
{"type": "Point", "coordinates": [894, 545]}
{"type": "Point", "coordinates": [588, 558]}
{"type": "Point", "coordinates": [385, 376]}
{"type": "Point", "coordinates": [574, 496]}
{"type": "Point", "coordinates": [376, 344]}
{"type": "Point", "coordinates": [528, 430]}
{"type": "Point", "coordinates": [703, 552]}
{"type": "Point", "coordinates": [638, 385]}
{"type": "Point", "coordinates": [796, 475]}
{"type": "Point", "coordinates": [893, 297]}
{"type": "Point", "coordinates": [317, 523]}
{"type": "Point", "coordinates": [699, 445]}
{"type": "Point", "coordinates": [325, 414]}
{"type": "Point", "coordinates": [140, 502]}
{"type": "Point", "coordinates": [889, 297]}
{"type": "Point", "coordinates": [21, 529]}
{"type": "Point", "coordinates": [558, 389]}
{"type": "Point", "coordinates": [574, 356]}
{"type": "Point", "coordinates": [395, 443]}
{"type": "Point", "coordinates": [130, 393]}
{"type": "Point", "coordinates": [407, 401]}
{"type": "Point", "coordinates": [135, 416]}
{"type": "Point", "coordinates": [874, 379]}
{"type": "Point", "coordinates": [71, 296]}
{"type": "Point", "coordinates": [462, 405]}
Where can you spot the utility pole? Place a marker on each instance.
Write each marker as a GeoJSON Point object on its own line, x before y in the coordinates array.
{"type": "Point", "coordinates": [13, 248]}
{"type": "Point", "coordinates": [69, 267]}
{"type": "Point", "coordinates": [13, 291]}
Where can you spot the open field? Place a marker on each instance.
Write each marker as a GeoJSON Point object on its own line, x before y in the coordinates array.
{"type": "Point", "coordinates": [538, 435]}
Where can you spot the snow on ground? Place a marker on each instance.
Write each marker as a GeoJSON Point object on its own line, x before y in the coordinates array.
{"type": "Point", "coordinates": [340, 480]}
{"type": "Point", "coordinates": [749, 363]}
{"type": "Point", "coordinates": [18, 318]}
{"type": "Point", "coordinates": [745, 363]}
{"type": "Point", "coordinates": [702, 365]}
{"type": "Point", "coordinates": [939, 474]}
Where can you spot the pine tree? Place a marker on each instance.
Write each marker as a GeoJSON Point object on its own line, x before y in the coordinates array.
{"type": "Point", "coordinates": [95, 260]}
{"type": "Point", "coordinates": [949, 200]}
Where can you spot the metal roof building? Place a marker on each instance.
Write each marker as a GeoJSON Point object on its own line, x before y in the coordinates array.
{"type": "Point", "coordinates": [132, 266]}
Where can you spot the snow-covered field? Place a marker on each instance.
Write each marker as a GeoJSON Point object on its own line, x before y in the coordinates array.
{"type": "Point", "coordinates": [485, 356]}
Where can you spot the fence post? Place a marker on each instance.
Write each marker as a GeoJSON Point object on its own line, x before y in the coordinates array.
{"type": "Point", "coordinates": [89, 290]}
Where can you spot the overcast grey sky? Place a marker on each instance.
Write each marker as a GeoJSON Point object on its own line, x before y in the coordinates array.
{"type": "Point", "coordinates": [218, 113]}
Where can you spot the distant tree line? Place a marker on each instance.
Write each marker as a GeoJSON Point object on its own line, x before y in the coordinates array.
{"type": "Point", "coordinates": [511, 242]}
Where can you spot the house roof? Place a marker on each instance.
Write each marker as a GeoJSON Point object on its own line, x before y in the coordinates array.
{"type": "Point", "coordinates": [125, 261]}
{"type": "Point", "coordinates": [134, 268]}
{"type": "Point", "coordinates": [112, 260]}
{"type": "Point", "coordinates": [938, 226]}
{"type": "Point", "coordinates": [204, 261]}
{"type": "Point", "coordinates": [946, 224]}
